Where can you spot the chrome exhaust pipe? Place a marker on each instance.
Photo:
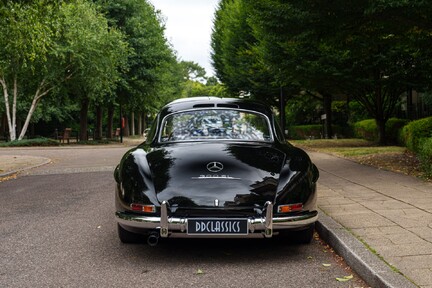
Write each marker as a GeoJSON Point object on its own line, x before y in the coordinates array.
{"type": "Point", "coordinates": [153, 239]}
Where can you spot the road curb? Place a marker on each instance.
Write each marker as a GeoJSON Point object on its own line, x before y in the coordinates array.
{"type": "Point", "coordinates": [8, 173]}
{"type": "Point", "coordinates": [368, 266]}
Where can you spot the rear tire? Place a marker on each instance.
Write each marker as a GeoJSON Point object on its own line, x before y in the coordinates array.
{"type": "Point", "coordinates": [305, 236]}
{"type": "Point", "coordinates": [128, 237]}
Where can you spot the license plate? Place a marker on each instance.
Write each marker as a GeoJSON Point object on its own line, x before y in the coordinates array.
{"type": "Point", "coordinates": [208, 226]}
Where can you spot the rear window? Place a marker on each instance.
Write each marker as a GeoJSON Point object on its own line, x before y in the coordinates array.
{"type": "Point", "coordinates": [209, 124]}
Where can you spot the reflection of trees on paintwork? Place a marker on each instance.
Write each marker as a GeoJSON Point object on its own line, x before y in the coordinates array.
{"type": "Point", "coordinates": [161, 162]}
{"type": "Point", "coordinates": [264, 158]}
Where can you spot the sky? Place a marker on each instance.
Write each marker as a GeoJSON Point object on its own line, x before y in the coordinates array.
{"type": "Point", "coordinates": [188, 28]}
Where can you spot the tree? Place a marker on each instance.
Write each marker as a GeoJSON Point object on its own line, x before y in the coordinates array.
{"type": "Point", "coordinates": [92, 54]}
{"type": "Point", "coordinates": [152, 76]}
{"type": "Point", "coordinates": [237, 59]}
{"type": "Point", "coordinates": [371, 51]}
{"type": "Point", "coordinates": [27, 56]}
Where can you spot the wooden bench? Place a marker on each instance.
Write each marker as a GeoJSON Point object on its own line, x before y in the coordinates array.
{"type": "Point", "coordinates": [65, 136]}
{"type": "Point", "coordinates": [117, 133]}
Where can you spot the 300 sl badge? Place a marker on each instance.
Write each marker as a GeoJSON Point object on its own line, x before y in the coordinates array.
{"type": "Point", "coordinates": [215, 176]}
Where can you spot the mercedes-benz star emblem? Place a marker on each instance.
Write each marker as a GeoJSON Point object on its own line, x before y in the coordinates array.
{"type": "Point", "coordinates": [215, 167]}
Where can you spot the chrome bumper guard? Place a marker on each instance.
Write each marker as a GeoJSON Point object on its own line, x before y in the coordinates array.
{"type": "Point", "coordinates": [176, 227]}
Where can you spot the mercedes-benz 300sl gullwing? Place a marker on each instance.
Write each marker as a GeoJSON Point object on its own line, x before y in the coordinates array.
{"type": "Point", "coordinates": [217, 168]}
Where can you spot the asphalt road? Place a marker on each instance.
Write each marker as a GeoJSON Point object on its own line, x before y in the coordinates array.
{"type": "Point", "coordinates": [57, 229]}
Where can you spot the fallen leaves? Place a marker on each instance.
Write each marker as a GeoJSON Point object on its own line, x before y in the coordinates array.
{"type": "Point", "coordinates": [9, 177]}
{"type": "Point", "coordinates": [345, 278]}
{"type": "Point", "coordinates": [406, 163]}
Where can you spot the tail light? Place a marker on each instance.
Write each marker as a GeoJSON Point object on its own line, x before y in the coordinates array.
{"type": "Point", "coordinates": [290, 208]}
{"type": "Point", "coordinates": [143, 208]}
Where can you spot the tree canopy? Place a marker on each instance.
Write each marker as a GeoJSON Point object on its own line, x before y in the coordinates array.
{"type": "Point", "coordinates": [369, 51]}
{"type": "Point", "coordinates": [81, 53]}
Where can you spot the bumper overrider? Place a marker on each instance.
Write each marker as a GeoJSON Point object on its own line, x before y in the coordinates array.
{"type": "Point", "coordinates": [177, 227]}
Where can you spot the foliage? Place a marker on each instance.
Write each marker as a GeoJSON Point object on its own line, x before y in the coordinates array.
{"type": "Point", "coordinates": [93, 54]}
{"type": "Point", "coordinates": [427, 99]}
{"type": "Point", "coordinates": [367, 129]}
{"type": "Point", "coordinates": [95, 142]}
{"type": "Point", "coordinates": [301, 110]}
{"type": "Point", "coordinates": [357, 112]}
{"type": "Point", "coordinates": [370, 51]}
{"type": "Point", "coordinates": [28, 63]}
{"type": "Point", "coordinates": [31, 142]}
{"type": "Point", "coordinates": [415, 132]}
{"type": "Point", "coordinates": [70, 52]}
{"type": "Point", "coordinates": [153, 75]}
{"type": "Point", "coordinates": [310, 131]}
{"type": "Point", "coordinates": [333, 143]}
{"type": "Point", "coordinates": [193, 71]}
{"type": "Point", "coordinates": [236, 57]}
{"type": "Point", "coordinates": [425, 156]}
{"type": "Point", "coordinates": [195, 77]}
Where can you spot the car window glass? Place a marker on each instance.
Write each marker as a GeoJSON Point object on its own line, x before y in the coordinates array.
{"type": "Point", "coordinates": [215, 124]}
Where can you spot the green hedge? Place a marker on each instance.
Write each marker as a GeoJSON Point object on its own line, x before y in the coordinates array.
{"type": "Point", "coordinates": [367, 129]}
{"type": "Point", "coordinates": [31, 142]}
{"type": "Point", "coordinates": [302, 132]}
{"type": "Point", "coordinates": [425, 156]}
{"type": "Point", "coordinates": [415, 132]}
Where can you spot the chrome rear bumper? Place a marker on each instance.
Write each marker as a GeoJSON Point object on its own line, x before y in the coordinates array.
{"type": "Point", "coordinates": [176, 227]}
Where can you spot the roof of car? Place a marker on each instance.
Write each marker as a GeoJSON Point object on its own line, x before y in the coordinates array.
{"type": "Point", "coordinates": [216, 102]}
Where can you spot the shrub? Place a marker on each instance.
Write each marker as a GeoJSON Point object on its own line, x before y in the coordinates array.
{"type": "Point", "coordinates": [367, 129]}
{"type": "Point", "coordinates": [425, 156]}
{"type": "Point", "coordinates": [302, 132]}
{"type": "Point", "coordinates": [394, 127]}
{"type": "Point", "coordinates": [415, 132]}
{"type": "Point", "coordinates": [357, 112]}
{"type": "Point", "coordinates": [31, 142]}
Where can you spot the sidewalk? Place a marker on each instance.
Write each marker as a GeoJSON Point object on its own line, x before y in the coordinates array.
{"type": "Point", "coordinates": [18, 159]}
{"type": "Point", "coordinates": [364, 210]}
{"type": "Point", "coordinates": [11, 164]}
{"type": "Point", "coordinates": [390, 213]}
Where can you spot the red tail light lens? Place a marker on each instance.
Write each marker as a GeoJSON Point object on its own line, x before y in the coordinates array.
{"type": "Point", "coordinates": [290, 208]}
{"type": "Point", "coordinates": [143, 208]}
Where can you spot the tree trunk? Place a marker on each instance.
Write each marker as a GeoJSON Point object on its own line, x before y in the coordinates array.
{"type": "Point", "coordinates": [83, 135]}
{"type": "Point", "coordinates": [7, 108]}
{"type": "Point", "coordinates": [30, 113]}
{"type": "Point", "coordinates": [327, 101]}
{"type": "Point", "coordinates": [382, 139]}
{"type": "Point", "coordinates": [10, 116]}
{"type": "Point", "coordinates": [132, 123]}
{"type": "Point", "coordinates": [379, 114]}
{"type": "Point", "coordinates": [98, 128]}
{"type": "Point", "coordinates": [126, 126]}
{"type": "Point", "coordinates": [410, 107]}
{"type": "Point", "coordinates": [140, 130]}
{"type": "Point", "coordinates": [15, 95]}
{"type": "Point", "coordinates": [3, 123]}
{"type": "Point", "coordinates": [110, 121]}
{"type": "Point", "coordinates": [144, 121]}
{"type": "Point", "coordinates": [41, 91]}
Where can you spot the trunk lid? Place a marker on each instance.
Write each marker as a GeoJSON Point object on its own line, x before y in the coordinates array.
{"type": "Point", "coordinates": [215, 174]}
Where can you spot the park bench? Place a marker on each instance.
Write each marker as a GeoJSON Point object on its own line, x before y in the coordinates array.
{"type": "Point", "coordinates": [117, 133]}
{"type": "Point", "coordinates": [65, 136]}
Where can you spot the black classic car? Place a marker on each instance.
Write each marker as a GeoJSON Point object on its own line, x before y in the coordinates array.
{"type": "Point", "coordinates": [215, 167]}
